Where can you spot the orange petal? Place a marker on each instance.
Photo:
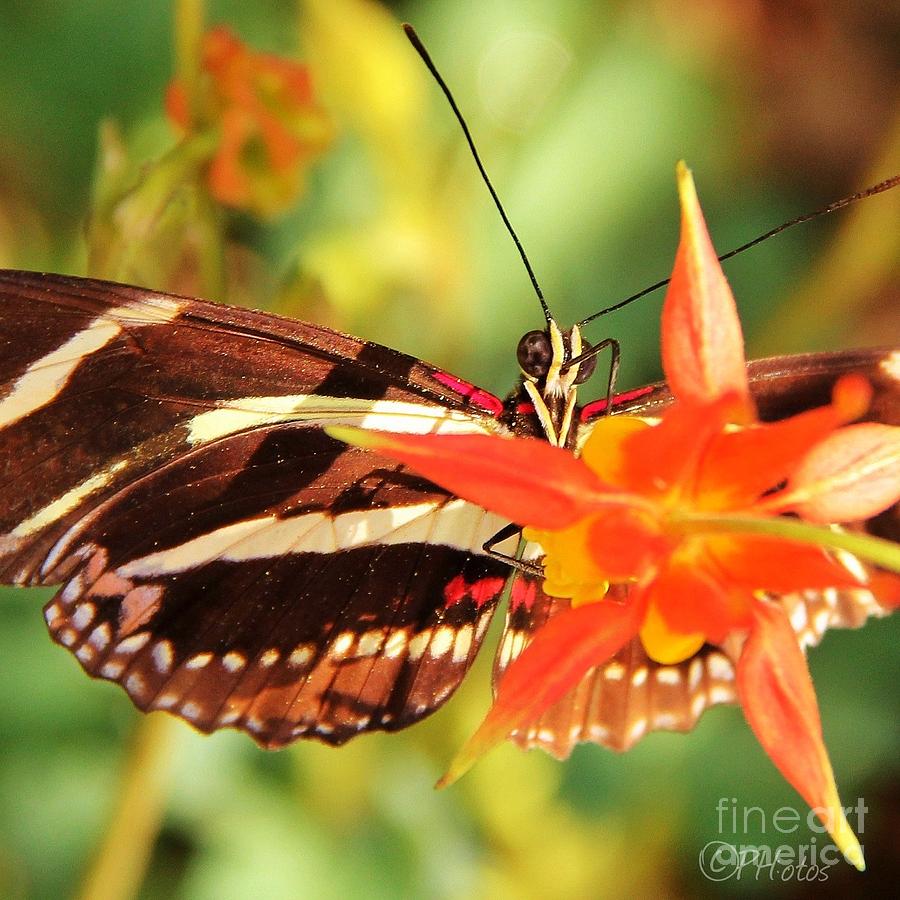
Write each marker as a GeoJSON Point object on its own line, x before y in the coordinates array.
{"type": "Point", "coordinates": [742, 465]}
{"type": "Point", "coordinates": [665, 646]}
{"type": "Point", "coordinates": [886, 588]}
{"type": "Point", "coordinates": [283, 81]}
{"type": "Point", "coordinates": [524, 479]}
{"type": "Point", "coordinates": [229, 180]}
{"type": "Point", "coordinates": [668, 456]}
{"type": "Point", "coordinates": [775, 564]}
{"type": "Point", "coordinates": [692, 600]}
{"type": "Point", "coordinates": [702, 343]}
{"type": "Point", "coordinates": [282, 148]}
{"type": "Point", "coordinates": [176, 105]}
{"type": "Point", "coordinates": [779, 703]}
{"type": "Point", "coordinates": [851, 475]}
{"type": "Point", "coordinates": [626, 543]}
{"type": "Point", "coordinates": [226, 58]}
{"type": "Point", "coordinates": [557, 658]}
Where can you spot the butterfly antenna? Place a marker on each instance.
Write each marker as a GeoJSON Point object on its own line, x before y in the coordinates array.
{"type": "Point", "coordinates": [879, 188]}
{"type": "Point", "coordinates": [426, 58]}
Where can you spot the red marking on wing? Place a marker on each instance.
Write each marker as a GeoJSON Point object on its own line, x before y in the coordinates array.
{"type": "Point", "coordinates": [479, 592]}
{"type": "Point", "coordinates": [523, 594]}
{"type": "Point", "coordinates": [486, 589]}
{"type": "Point", "coordinates": [474, 395]}
{"type": "Point", "coordinates": [599, 406]}
{"type": "Point", "coordinates": [524, 409]}
{"type": "Point", "coordinates": [455, 591]}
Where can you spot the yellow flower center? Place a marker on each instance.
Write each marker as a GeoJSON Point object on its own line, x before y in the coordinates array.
{"type": "Point", "coordinates": [665, 646]}
{"type": "Point", "coordinates": [569, 569]}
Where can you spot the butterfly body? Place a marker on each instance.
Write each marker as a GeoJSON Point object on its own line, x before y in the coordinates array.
{"type": "Point", "coordinates": [223, 558]}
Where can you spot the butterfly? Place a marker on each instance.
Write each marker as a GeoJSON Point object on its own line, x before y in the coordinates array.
{"type": "Point", "coordinates": [222, 558]}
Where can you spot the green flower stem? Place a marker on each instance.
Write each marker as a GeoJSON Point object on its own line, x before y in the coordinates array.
{"type": "Point", "coordinates": [875, 550]}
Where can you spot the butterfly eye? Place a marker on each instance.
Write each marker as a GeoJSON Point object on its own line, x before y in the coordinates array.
{"type": "Point", "coordinates": [587, 367]}
{"type": "Point", "coordinates": [534, 354]}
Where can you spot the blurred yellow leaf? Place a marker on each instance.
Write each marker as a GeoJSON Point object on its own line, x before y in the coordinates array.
{"type": "Point", "coordinates": [407, 242]}
{"type": "Point", "coordinates": [370, 79]}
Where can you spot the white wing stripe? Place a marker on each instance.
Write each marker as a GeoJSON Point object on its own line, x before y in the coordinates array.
{"type": "Point", "coordinates": [456, 524]}
{"type": "Point", "coordinates": [240, 414]}
{"type": "Point", "coordinates": [46, 377]}
{"type": "Point", "coordinates": [65, 503]}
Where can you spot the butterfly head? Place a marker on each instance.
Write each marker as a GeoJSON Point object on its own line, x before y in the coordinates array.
{"type": "Point", "coordinates": [545, 358]}
{"type": "Point", "coordinates": [552, 367]}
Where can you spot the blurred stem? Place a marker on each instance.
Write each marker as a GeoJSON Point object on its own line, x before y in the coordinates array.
{"type": "Point", "coordinates": [190, 18]}
{"type": "Point", "coordinates": [121, 859]}
{"type": "Point", "coordinates": [859, 261]}
{"type": "Point", "coordinates": [211, 222]}
{"type": "Point", "coordinates": [137, 215]}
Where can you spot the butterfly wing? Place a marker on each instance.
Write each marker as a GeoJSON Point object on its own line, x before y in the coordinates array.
{"type": "Point", "coordinates": [616, 704]}
{"type": "Point", "coordinates": [221, 557]}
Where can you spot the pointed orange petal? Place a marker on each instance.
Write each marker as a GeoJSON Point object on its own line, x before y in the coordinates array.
{"type": "Point", "coordinates": [779, 703]}
{"type": "Point", "coordinates": [554, 662]}
{"type": "Point", "coordinates": [774, 564]}
{"type": "Point", "coordinates": [523, 479]}
{"type": "Point", "coordinates": [851, 475]}
{"type": "Point", "coordinates": [702, 343]}
{"type": "Point", "coordinates": [742, 465]}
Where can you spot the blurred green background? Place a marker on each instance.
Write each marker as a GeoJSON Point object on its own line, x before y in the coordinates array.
{"type": "Point", "coordinates": [580, 111]}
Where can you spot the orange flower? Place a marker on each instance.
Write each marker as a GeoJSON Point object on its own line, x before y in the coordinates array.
{"type": "Point", "coordinates": [687, 514]}
{"type": "Point", "coordinates": [270, 128]}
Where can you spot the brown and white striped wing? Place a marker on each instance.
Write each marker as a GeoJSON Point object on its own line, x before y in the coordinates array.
{"type": "Point", "coordinates": [221, 557]}
{"type": "Point", "coordinates": [615, 705]}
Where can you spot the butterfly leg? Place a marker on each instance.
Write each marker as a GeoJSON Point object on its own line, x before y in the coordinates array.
{"type": "Point", "coordinates": [503, 534]}
{"type": "Point", "coordinates": [614, 355]}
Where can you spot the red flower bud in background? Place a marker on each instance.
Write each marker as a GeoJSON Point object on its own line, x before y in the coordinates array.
{"type": "Point", "coordinates": [269, 125]}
